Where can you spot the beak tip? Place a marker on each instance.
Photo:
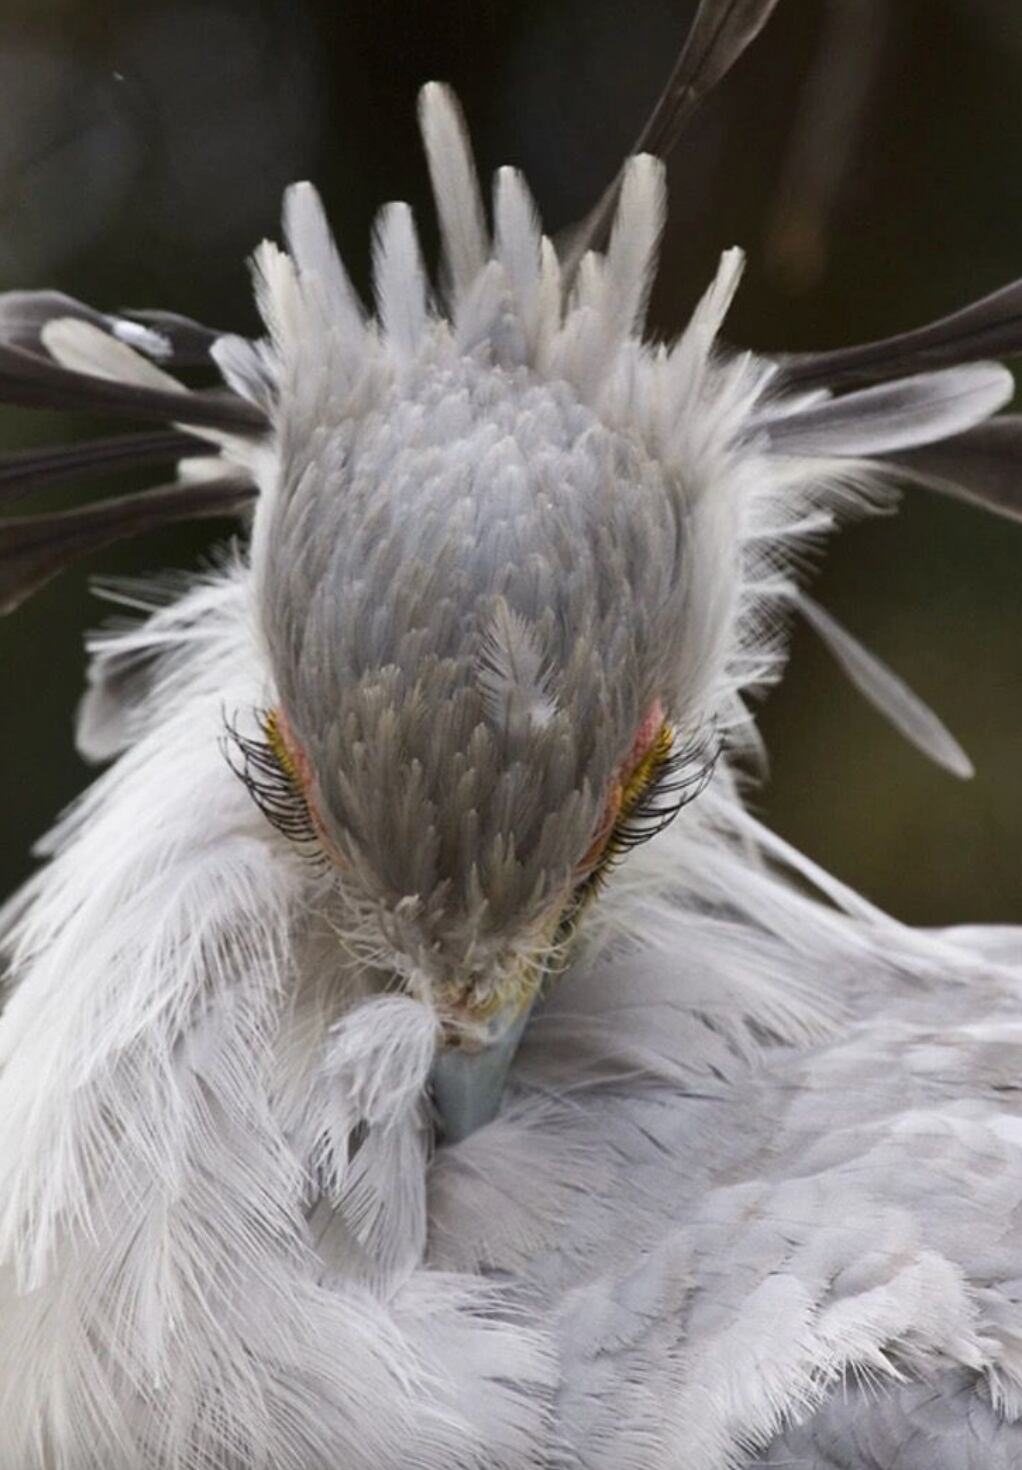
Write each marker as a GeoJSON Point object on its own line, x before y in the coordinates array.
{"type": "Point", "coordinates": [468, 1086]}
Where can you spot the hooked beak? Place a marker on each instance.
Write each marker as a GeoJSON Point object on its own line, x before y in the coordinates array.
{"type": "Point", "coordinates": [468, 1085]}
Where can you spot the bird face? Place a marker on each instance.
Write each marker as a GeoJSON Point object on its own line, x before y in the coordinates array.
{"type": "Point", "coordinates": [471, 597]}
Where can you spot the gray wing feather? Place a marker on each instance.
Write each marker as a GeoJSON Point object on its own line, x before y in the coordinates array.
{"type": "Point", "coordinates": [888, 693]}
{"type": "Point", "coordinates": [892, 416]}
{"type": "Point", "coordinates": [172, 339]}
{"type": "Point", "coordinates": [36, 548]}
{"type": "Point", "coordinates": [983, 465]}
{"type": "Point", "coordinates": [991, 327]}
{"type": "Point", "coordinates": [941, 1425]}
{"type": "Point", "coordinates": [721, 31]}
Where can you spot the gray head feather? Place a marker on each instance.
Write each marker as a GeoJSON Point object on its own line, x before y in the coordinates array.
{"type": "Point", "coordinates": [468, 604]}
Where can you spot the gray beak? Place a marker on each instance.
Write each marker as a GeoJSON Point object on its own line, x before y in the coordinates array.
{"type": "Point", "coordinates": [468, 1085]}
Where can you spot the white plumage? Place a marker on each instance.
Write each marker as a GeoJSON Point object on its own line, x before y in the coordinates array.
{"type": "Point", "coordinates": [754, 1194]}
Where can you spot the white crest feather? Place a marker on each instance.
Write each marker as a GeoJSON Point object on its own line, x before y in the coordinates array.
{"type": "Point", "coordinates": [312, 247]}
{"type": "Point", "coordinates": [518, 237]}
{"type": "Point", "coordinates": [247, 367]}
{"type": "Point", "coordinates": [277, 295]}
{"type": "Point", "coordinates": [635, 240]}
{"type": "Point", "coordinates": [714, 305]}
{"type": "Point", "coordinates": [455, 186]}
{"type": "Point", "coordinates": [399, 278]}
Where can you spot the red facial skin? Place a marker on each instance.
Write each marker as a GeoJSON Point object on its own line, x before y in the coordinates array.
{"type": "Point", "coordinates": [642, 743]}
{"type": "Point", "coordinates": [296, 762]}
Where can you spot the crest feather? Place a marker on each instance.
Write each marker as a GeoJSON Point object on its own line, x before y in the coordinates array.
{"type": "Point", "coordinates": [399, 278]}
{"type": "Point", "coordinates": [311, 244]}
{"type": "Point", "coordinates": [634, 241]}
{"type": "Point", "coordinates": [455, 185]}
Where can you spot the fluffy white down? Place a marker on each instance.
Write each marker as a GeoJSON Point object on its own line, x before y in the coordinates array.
{"type": "Point", "coordinates": [761, 1153]}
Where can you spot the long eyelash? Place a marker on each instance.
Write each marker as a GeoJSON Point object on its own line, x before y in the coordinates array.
{"type": "Point", "coordinates": [675, 779]}
{"type": "Point", "coordinates": [271, 785]}
{"type": "Point", "coordinates": [681, 776]}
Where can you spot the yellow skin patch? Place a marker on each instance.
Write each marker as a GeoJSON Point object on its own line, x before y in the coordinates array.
{"type": "Point", "coordinates": [652, 745]}
{"type": "Point", "coordinates": [294, 763]}
{"type": "Point", "coordinates": [647, 768]}
{"type": "Point", "coordinates": [273, 728]}
{"type": "Point", "coordinates": [515, 992]}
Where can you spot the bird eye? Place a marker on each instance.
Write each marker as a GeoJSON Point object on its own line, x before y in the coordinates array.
{"type": "Point", "coordinates": [646, 799]}
{"type": "Point", "coordinates": [268, 772]}
{"type": "Point", "coordinates": [670, 776]}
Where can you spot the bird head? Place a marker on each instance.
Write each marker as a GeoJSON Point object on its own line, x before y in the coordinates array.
{"type": "Point", "coordinates": [515, 568]}
{"type": "Point", "coordinates": [472, 579]}
{"type": "Point", "coordinates": [471, 598]}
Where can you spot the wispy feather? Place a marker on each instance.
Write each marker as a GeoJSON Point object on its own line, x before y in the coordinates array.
{"type": "Point", "coordinates": [887, 692]}
{"type": "Point", "coordinates": [515, 681]}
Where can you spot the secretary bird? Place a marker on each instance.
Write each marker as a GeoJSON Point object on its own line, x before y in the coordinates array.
{"type": "Point", "coordinates": [374, 1094]}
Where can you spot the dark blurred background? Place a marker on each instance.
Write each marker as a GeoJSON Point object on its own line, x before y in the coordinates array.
{"type": "Point", "coordinates": [868, 155]}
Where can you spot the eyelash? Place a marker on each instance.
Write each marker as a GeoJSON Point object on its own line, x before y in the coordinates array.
{"type": "Point", "coordinates": [681, 776]}
{"type": "Point", "coordinates": [675, 780]}
{"type": "Point", "coordinates": [272, 787]}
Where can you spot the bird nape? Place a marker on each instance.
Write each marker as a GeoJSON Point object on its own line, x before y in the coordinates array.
{"type": "Point", "coordinates": [374, 1092]}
